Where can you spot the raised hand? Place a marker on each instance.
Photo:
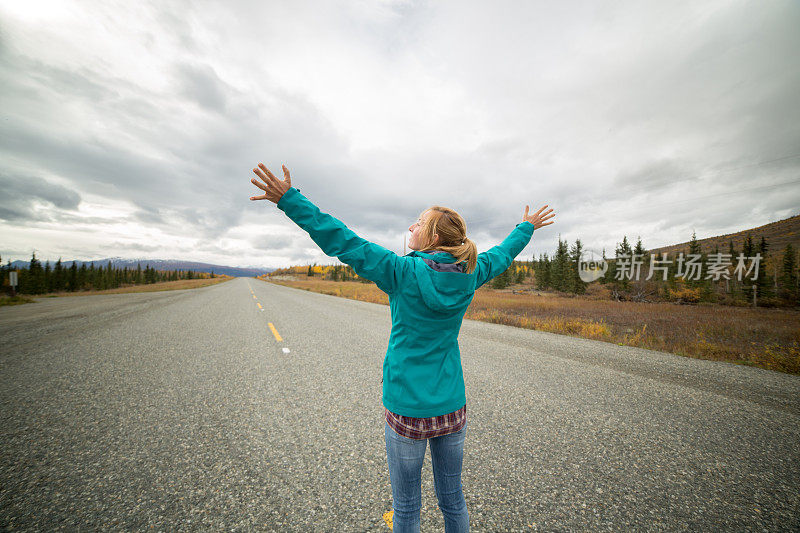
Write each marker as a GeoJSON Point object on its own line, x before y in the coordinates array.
{"type": "Point", "coordinates": [538, 218]}
{"type": "Point", "coordinates": [273, 188]}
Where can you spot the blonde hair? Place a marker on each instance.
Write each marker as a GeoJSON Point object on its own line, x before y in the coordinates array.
{"type": "Point", "coordinates": [452, 231]}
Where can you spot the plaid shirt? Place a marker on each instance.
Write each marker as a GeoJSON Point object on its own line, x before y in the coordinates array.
{"type": "Point", "coordinates": [425, 428]}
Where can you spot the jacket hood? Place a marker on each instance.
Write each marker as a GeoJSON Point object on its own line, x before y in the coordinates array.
{"type": "Point", "coordinates": [444, 284]}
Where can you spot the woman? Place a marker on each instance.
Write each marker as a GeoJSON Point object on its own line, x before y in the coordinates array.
{"type": "Point", "coordinates": [429, 291]}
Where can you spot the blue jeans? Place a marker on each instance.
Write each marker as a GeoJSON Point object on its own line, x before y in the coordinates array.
{"type": "Point", "coordinates": [405, 458]}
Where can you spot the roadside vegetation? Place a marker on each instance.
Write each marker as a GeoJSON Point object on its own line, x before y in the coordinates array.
{"type": "Point", "coordinates": [743, 317]}
{"type": "Point", "coordinates": [60, 280]}
{"type": "Point", "coordinates": [15, 300]}
{"type": "Point", "coordinates": [765, 338]}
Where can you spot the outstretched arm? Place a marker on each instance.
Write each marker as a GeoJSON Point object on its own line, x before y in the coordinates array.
{"type": "Point", "coordinates": [369, 260]}
{"type": "Point", "coordinates": [495, 260]}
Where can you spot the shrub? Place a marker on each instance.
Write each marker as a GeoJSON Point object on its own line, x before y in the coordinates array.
{"type": "Point", "coordinates": [685, 295]}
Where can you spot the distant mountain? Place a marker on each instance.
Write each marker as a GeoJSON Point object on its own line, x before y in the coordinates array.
{"type": "Point", "coordinates": [162, 264]}
{"type": "Point", "coordinates": [778, 235]}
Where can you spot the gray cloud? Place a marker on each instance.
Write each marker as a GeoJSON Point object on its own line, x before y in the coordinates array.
{"type": "Point", "coordinates": [149, 215]}
{"type": "Point", "coordinates": [135, 246]}
{"type": "Point", "coordinates": [202, 84]}
{"type": "Point", "coordinates": [654, 175]}
{"type": "Point", "coordinates": [157, 188]}
{"type": "Point", "coordinates": [21, 193]}
{"type": "Point", "coordinates": [273, 242]}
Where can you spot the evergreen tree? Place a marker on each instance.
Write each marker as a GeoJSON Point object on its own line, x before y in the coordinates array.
{"type": "Point", "coordinates": [733, 284]}
{"type": "Point", "coordinates": [35, 277]}
{"type": "Point", "coordinates": [542, 272]}
{"type": "Point", "coordinates": [59, 281]}
{"type": "Point", "coordinates": [578, 285]}
{"type": "Point", "coordinates": [99, 278]}
{"type": "Point", "coordinates": [694, 249]}
{"type": "Point", "coordinates": [604, 278]}
{"type": "Point", "coordinates": [83, 276]}
{"type": "Point", "coordinates": [642, 255]}
{"type": "Point", "coordinates": [694, 244]}
{"type": "Point", "coordinates": [560, 272]}
{"type": "Point", "coordinates": [765, 281]}
{"type": "Point", "coordinates": [748, 250]}
{"type": "Point", "coordinates": [623, 249]}
{"type": "Point", "coordinates": [72, 281]}
{"type": "Point", "coordinates": [110, 276]}
{"type": "Point", "coordinates": [701, 282]}
{"type": "Point", "coordinates": [48, 277]}
{"type": "Point", "coordinates": [502, 280]}
{"type": "Point", "coordinates": [310, 272]}
{"type": "Point", "coordinates": [789, 276]}
{"type": "Point", "coordinates": [711, 282]}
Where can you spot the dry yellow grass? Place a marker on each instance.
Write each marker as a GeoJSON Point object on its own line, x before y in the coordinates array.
{"type": "Point", "coordinates": [366, 292]}
{"type": "Point", "coordinates": [766, 338]}
{"type": "Point", "coordinates": [15, 300]}
{"type": "Point", "coordinates": [151, 287]}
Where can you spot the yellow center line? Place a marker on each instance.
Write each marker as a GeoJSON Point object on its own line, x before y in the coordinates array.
{"type": "Point", "coordinates": [274, 332]}
{"type": "Point", "coordinates": [259, 305]}
{"type": "Point", "coordinates": [254, 297]}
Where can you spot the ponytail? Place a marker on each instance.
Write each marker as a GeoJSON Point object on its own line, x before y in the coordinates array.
{"type": "Point", "coordinates": [452, 230]}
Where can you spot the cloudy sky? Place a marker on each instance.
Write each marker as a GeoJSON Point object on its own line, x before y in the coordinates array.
{"type": "Point", "coordinates": [130, 129]}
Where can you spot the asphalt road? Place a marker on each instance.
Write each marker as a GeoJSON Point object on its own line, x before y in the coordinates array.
{"type": "Point", "coordinates": [182, 411]}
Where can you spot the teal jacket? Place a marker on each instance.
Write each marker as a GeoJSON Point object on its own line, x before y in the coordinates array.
{"type": "Point", "coordinates": [422, 374]}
